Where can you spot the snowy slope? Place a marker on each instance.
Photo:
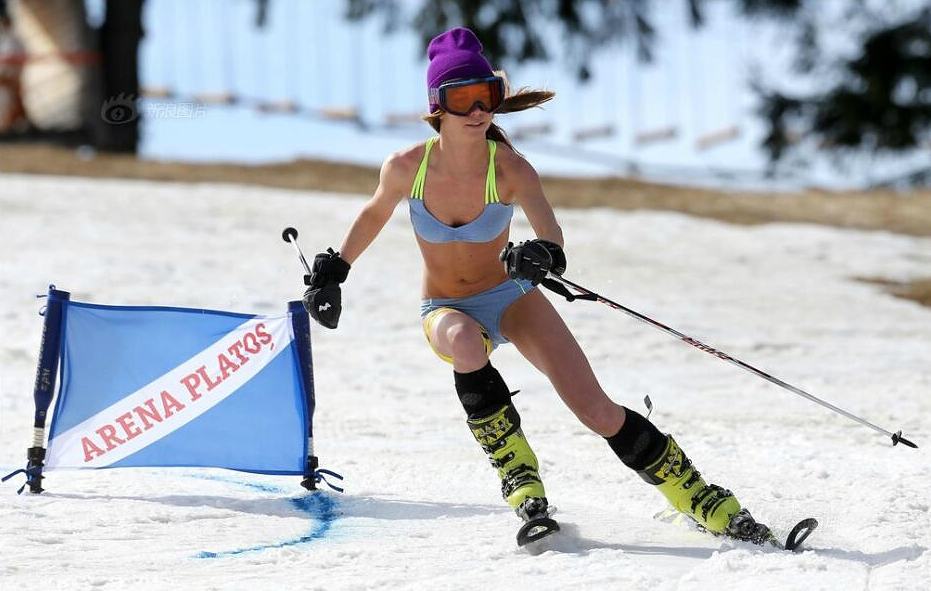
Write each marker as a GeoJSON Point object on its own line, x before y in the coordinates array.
{"type": "Point", "coordinates": [421, 506]}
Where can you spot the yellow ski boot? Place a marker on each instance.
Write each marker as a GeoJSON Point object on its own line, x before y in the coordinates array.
{"type": "Point", "coordinates": [710, 505]}
{"type": "Point", "coordinates": [501, 437]}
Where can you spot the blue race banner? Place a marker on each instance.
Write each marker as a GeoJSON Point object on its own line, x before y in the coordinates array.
{"type": "Point", "coordinates": [155, 386]}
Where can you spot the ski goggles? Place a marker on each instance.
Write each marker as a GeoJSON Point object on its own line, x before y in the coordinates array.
{"type": "Point", "coordinates": [459, 97]}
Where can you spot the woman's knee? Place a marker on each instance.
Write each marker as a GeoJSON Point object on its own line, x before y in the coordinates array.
{"type": "Point", "coordinates": [466, 342]}
{"type": "Point", "coordinates": [458, 338]}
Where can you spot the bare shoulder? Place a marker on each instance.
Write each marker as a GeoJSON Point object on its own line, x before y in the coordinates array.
{"type": "Point", "coordinates": [399, 168]}
{"type": "Point", "coordinates": [514, 174]}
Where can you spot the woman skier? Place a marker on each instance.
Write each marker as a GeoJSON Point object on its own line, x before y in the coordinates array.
{"type": "Point", "coordinates": [461, 187]}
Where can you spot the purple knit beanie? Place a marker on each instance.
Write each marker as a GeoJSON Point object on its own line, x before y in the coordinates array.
{"type": "Point", "coordinates": [457, 53]}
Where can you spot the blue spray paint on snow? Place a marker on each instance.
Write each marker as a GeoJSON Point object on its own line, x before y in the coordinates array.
{"type": "Point", "coordinates": [318, 505]}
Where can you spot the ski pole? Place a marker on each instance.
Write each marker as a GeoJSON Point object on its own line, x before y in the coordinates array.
{"type": "Point", "coordinates": [289, 235]}
{"type": "Point", "coordinates": [558, 284]}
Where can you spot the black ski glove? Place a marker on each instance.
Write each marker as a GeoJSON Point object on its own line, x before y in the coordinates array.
{"type": "Point", "coordinates": [323, 299]}
{"type": "Point", "coordinates": [533, 259]}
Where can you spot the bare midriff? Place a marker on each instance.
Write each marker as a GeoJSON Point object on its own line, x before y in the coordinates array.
{"type": "Point", "coordinates": [459, 269]}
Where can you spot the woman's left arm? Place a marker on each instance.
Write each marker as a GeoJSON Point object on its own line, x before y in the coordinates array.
{"type": "Point", "coordinates": [528, 191]}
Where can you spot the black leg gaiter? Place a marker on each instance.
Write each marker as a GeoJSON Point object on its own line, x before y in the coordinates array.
{"type": "Point", "coordinates": [481, 392]}
{"type": "Point", "coordinates": [639, 443]}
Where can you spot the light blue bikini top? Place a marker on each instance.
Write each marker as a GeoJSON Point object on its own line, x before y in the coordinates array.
{"type": "Point", "coordinates": [494, 219]}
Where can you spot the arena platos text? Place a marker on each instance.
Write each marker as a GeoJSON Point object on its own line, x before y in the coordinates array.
{"type": "Point", "coordinates": [165, 405]}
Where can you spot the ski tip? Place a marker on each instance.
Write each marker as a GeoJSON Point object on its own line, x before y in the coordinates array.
{"type": "Point", "coordinates": [897, 439]}
{"type": "Point", "coordinates": [800, 533]}
{"type": "Point", "coordinates": [536, 529]}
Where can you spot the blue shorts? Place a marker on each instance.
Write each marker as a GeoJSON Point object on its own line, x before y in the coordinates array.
{"type": "Point", "coordinates": [486, 308]}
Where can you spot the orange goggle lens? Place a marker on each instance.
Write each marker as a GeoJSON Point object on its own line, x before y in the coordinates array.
{"type": "Point", "coordinates": [459, 98]}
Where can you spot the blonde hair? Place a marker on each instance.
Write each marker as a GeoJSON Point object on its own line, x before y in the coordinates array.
{"type": "Point", "coordinates": [525, 98]}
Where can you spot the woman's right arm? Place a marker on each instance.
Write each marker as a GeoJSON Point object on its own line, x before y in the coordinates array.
{"type": "Point", "coordinates": [377, 211]}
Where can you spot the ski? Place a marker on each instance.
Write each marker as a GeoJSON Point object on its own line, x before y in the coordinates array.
{"type": "Point", "coordinates": [536, 529]}
{"type": "Point", "coordinates": [799, 534]}
{"type": "Point", "coordinates": [536, 514]}
{"type": "Point", "coordinates": [744, 528]}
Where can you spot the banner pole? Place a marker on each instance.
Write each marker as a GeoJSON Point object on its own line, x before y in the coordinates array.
{"type": "Point", "coordinates": [300, 323]}
{"type": "Point", "coordinates": [44, 390]}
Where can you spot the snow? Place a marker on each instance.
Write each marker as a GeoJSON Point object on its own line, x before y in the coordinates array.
{"type": "Point", "coordinates": [421, 506]}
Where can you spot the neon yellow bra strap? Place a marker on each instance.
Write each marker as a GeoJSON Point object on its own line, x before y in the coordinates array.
{"type": "Point", "coordinates": [421, 178]}
{"type": "Point", "coordinates": [491, 187]}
